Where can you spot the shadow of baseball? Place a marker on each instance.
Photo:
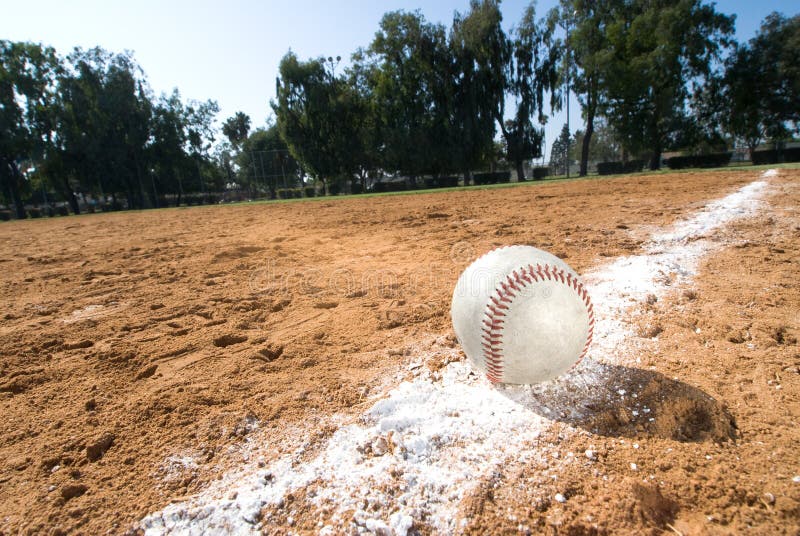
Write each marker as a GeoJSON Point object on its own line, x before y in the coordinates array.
{"type": "Point", "coordinates": [618, 401]}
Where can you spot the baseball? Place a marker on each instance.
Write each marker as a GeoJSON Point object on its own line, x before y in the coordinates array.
{"type": "Point", "coordinates": [522, 315]}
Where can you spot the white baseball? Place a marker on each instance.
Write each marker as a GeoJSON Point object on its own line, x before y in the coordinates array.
{"type": "Point", "coordinates": [522, 315]}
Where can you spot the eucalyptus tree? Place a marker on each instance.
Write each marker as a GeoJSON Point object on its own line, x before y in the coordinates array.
{"type": "Point", "coordinates": [480, 51]}
{"type": "Point", "coordinates": [587, 52]}
{"type": "Point", "coordinates": [758, 96]}
{"type": "Point", "coordinates": [412, 88]}
{"type": "Point", "coordinates": [318, 117]}
{"type": "Point", "coordinates": [236, 128]}
{"type": "Point", "coordinates": [656, 48]}
{"type": "Point", "coordinates": [28, 74]}
{"type": "Point", "coordinates": [530, 71]}
{"type": "Point", "coordinates": [264, 161]}
{"type": "Point", "coordinates": [104, 112]}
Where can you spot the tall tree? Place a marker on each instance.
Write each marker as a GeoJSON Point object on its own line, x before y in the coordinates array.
{"type": "Point", "coordinates": [201, 135]}
{"type": "Point", "coordinates": [656, 47]}
{"type": "Point", "coordinates": [531, 69]}
{"type": "Point", "coordinates": [560, 152]}
{"type": "Point", "coordinates": [480, 51]}
{"type": "Point", "coordinates": [27, 92]}
{"type": "Point", "coordinates": [318, 116]}
{"type": "Point", "coordinates": [264, 161]}
{"type": "Point", "coordinates": [411, 93]}
{"type": "Point", "coordinates": [758, 96]}
{"type": "Point", "coordinates": [103, 126]}
{"type": "Point", "coordinates": [603, 147]}
{"type": "Point", "coordinates": [236, 128]}
{"type": "Point", "coordinates": [169, 138]}
{"type": "Point", "coordinates": [587, 51]}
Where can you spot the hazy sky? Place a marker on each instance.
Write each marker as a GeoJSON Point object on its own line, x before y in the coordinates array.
{"type": "Point", "coordinates": [229, 51]}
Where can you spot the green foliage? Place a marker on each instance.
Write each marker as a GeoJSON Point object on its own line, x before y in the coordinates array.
{"type": "Point", "coordinates": [492, 177]}
{"type": "Point", "coordinates": [318, 116]}
{"type": "Point", "coordinates": [588, 52]}
{"type": "Point", "coordinates": [616, 168]}
{"type": "Point", "coordinates": [88, 123]}
{"type": "Point", "coordinates": [27, 83]}
{"type": "Point", "coordinates": [699, 161]}
{"type": "Point", "coordinates": [540, 173]}
{"type": "Point", "coordinates": [264, 162]}
{"type": "Point", "coordinates": [411, 84]}
{"type": "Point", "coordinates": [531, 69]}
{"type": "Point", "coordinates": [602, 146]}
{"type": "Point", "coordinates": [236, 128]}
{"type": "Point", "coordinates": [758, 96]}
{"type": "Point", "coordinates": [776, 156]}
{"type": "Point", "coordinates": [480, 53]}
{"type": "Point", "coordinates": [657, 47]}
{"type": "Point", "coordinates": [559, 153]}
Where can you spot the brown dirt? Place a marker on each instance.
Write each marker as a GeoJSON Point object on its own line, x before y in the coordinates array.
{"type": "Point", "coordinates": [130, 338]}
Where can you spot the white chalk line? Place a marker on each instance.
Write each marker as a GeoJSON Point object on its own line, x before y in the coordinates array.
{"type": "Point", "coordinates": [414, 454]}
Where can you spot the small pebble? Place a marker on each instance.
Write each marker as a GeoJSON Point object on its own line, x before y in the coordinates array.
{"type": "Point", "coordinates": [634, 467]}
{"type": "Point", "coordinates": [592, 455]}
{"type": "Point", "coordinates": [796, 479]}
{"type": "Point", "coordinates": [560, 498]}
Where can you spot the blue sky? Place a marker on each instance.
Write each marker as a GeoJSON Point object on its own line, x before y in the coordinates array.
{"type": "Point", "coordinates": [229, 51]}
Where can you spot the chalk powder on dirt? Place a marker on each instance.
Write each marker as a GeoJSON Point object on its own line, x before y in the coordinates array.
{"type": "Point", "coordinates": [416, 452]}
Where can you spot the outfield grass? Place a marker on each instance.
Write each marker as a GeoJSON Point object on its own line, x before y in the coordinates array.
{"type": "Point", "coordinates": [547, 180]}
{"type": "Point", "coordinates": [528, 183]}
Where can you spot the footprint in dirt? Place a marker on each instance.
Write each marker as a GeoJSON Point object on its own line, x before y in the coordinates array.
{"type": "Point", "coordinates": [228, 340]}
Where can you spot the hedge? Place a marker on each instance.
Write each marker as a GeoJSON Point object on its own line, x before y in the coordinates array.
{"type": "Point", "coordinates": [309, 191]}
{"type": "Point", "coordinates": [5, 215]}
{"type": "Point", "coordinates": [617, 168]}
{"type": "Point", "coordinates": [540, 172]}
{"type": "Point", "coordinates": [440, 182]}
{"type": "Point", "coordinates": [773, 157]}
{"type": "Point", "coordinates": [609, 168]}
{"type": "Point", "coordinates": [493, 177]}
{"type": "Point", "coordinates": [381, 187]}
{"type": "Point", "coordinates": [699, 161]}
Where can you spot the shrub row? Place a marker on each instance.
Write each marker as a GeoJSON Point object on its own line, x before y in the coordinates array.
{"type": "Point", "coordinates": [699, 161]}
{"type": "Point", "coordinates": [616, 168]}
{"type": "Point", "coordinates": [381, 187]}
{"type": "Point", "coordinates": [289, 193]}
{"type": "Point", "coordinates": [773, 156]}
{"type": "Point", "coordinates": [493, 177]}
{"type": "Point", "coordinates": [441, 182]}
{"type": "Point", "coordinates": [540, 173]}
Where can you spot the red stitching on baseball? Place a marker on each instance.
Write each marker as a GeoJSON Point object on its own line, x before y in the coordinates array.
{"type": "Point", "coordinates": [505, 292]}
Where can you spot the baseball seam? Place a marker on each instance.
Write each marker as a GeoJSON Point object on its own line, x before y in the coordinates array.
{"type": "Point", "coordinates": [503, 297]}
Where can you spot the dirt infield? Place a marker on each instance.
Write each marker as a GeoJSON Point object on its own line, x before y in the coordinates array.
{"type": "Point", "coordinates": [146, 355]}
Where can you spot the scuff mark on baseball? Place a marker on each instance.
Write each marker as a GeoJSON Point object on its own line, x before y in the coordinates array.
{"type": "Point", "coordinates": [522, 315]}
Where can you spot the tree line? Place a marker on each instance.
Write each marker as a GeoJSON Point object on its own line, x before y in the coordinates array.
{"type": "Point", "coordinates": [420, 100]}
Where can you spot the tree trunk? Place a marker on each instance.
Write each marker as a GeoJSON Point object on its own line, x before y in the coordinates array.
{"type": "Point", "coordinates": [520, 165]}
{"type": "Point", "coordinates": [655, 160]}
{"type": "Point", "coordinates": [71, 199]}
{"type": "Point", "coordinates": [587, 138]}
{"type": "Point", "coordinates": [13, 187]}
{"type": "Point", "coordinates": [467, 177]}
